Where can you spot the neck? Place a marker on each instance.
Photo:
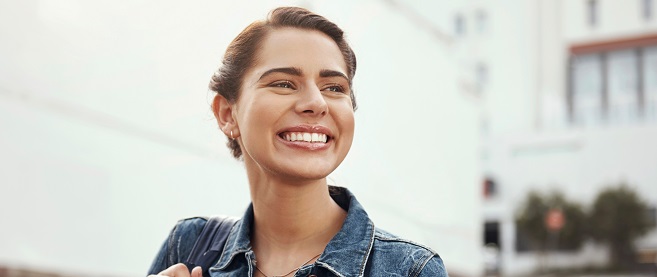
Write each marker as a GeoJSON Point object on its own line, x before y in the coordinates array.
{"type": "Point", "coordinates": [293, 221]}
{"type": "Point", "coordinates": [289, 215]}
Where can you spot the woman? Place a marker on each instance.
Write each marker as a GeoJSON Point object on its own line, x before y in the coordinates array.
{"type": "Point", "coordinates": [285, 102]}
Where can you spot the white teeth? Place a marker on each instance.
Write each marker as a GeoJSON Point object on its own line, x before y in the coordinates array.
{"type": "Point", "coordinates": [307, 137]}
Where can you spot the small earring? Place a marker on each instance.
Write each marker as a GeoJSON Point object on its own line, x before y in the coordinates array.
{"type": "Point", "coordinates": [231, 135]}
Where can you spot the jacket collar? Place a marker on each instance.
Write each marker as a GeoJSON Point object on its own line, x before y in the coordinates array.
{"type": "Point", "coordinates": [239, 240]}
{"type": "Point", "coordinates": [345, 255]}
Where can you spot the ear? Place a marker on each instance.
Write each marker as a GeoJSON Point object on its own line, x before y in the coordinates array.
{"type": "Point", "coordinates": [223, 112]}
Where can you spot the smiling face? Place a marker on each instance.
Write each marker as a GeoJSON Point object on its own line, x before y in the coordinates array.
{"type": "Point", "coordinates": [294, 111]}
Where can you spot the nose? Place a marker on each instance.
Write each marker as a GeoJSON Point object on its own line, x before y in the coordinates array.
{"type": "Point", "coordinates": [311, 102]}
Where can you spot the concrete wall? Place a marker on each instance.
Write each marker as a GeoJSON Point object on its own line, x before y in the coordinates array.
{"type": "Point", "coordinates": [616, 18]}
{"type": "Point", "coordinates": [107, 138]}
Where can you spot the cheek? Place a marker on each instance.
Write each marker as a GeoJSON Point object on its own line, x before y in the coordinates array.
{"type": "Point", "coordinates": [259, 114]}
{"type": "Point", "coordinates": [346, 122]}
{"type": "Point", "coordinates": [344, 117]}
{"type": "Point", "coordinates": [349, 120]}
{"type": "Point", "coordinates": [254, 110]}
{"type": "Point", "coordinates": [251, 119]}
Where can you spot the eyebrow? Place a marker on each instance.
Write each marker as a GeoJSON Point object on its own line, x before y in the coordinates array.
{"type": "Point", "coordinates": [332, 73]}
{"type": "Point", "coordinates": [297, 72]}
{"type": "Point", "coordinates": [287, 70]}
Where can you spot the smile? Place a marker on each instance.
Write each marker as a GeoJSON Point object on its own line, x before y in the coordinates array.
{"type": "Point", "coordinates": [304, 136]}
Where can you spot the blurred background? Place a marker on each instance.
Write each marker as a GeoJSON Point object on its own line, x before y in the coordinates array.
{"type": "Point", "coordinates": [515, 137]}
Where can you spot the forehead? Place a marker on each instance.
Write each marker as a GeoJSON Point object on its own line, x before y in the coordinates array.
{"type": "Point", "coordinates": [309, 50]}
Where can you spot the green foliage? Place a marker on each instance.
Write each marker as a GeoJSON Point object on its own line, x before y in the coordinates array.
{"type": "Point", "coordinates": [618, 218]}
{"type": "Point", "coordinates": [530, 220]}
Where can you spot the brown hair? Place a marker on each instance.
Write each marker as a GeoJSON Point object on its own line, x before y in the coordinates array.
{"type": "Point", "coordinates": [240, 54]}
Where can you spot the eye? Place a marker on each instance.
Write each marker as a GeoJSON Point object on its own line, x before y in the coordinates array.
{"type": "Point", "coordinates": [282, 84]}
{"type": "Point", "coordinates": [335, 88]}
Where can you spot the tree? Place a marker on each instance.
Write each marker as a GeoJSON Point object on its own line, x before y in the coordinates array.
{"type": "Point", "coordinates": [530, 220]}
{"type": "Point", "coordinates": [618, 218]}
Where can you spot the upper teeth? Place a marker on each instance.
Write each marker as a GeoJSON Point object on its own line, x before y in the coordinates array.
{"type": "Point", "coordinates": [307, 137]}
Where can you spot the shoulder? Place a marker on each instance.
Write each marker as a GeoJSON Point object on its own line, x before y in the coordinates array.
{"type": "Point", "coordinates": [190, 225]}
{"type": "Point", "coordinates": [178, 244]}
{"type": "Point", "coordinates": [413, 258]}
{"type": "Point", "coordinates": [393, 243]}
{"type": "Point", "coordinates": [183, 236]}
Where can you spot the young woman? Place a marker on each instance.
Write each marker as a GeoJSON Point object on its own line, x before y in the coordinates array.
{"type": "Point", "coordinates": [285, 102]}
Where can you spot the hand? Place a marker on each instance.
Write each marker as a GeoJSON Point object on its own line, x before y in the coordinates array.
{"type": "Point", "coordinates": [180, 270]}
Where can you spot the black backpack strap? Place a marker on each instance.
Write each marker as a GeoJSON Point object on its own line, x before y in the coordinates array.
{"type": "Point", "coordinates": [210, 243]}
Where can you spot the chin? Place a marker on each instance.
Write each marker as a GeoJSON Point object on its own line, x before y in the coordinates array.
{"type": "Point", "coordinates": [307, 173]}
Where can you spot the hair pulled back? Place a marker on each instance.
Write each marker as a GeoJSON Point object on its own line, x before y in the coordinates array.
{"type": "Point", "coordinates": [241, 52]}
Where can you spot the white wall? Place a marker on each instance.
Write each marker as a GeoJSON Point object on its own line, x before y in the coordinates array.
{"type": "Point", "coordinates": [107, 138]}
{"type": "Point", "coordinates": [615, 18]}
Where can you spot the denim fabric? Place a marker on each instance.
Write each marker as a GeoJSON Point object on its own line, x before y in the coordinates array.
{"type": "Point", "coordinates": [358, 249]}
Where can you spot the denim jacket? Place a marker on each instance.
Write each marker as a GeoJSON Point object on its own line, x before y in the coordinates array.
{"type": "Point", "coordinates": [358, 249]}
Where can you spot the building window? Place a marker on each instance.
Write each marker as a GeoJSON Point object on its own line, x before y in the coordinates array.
{"type": "Point", "coordinates": [613, 83]}
{"type": "Point", "coordinates": [592, 10]}
{"type": "Point", "coordinates": [649, 82]}
{"type": "Point", "coordinates": [623, 86]}
{"type": "Point", "coordinates": [490, 188]}
{"type": "Point", "coordinates": [482, 21]}
{"type": "Point", "coordinates": [459, 25]}
{"type": "Point", "coordinates": [587, 86]}
{"type": "Point", "coordinates": [481, 75]}
{"type": "Point", "coordinates": [651, 216]}
{"type": "Point", "coordinates": [484, 128]}
{"type": "Point", "coordinates": [492, 247]}
{"type": "Point", "coordinates": [647, 9]}
{"type": "Point", "coordinates": [492, 233]}
{"type": "Point", "coordinates": [523, 242]}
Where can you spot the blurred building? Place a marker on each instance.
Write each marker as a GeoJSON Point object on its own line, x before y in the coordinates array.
{"type": "Point", "coordinates": [567, 91]}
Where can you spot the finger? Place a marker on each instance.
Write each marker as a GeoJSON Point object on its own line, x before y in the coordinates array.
{"type": "Point", "coordinates": [177, 270]}
{"type": "Point", "coordinates": [197, 272]}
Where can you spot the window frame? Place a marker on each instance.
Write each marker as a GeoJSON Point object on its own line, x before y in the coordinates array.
{"type": "Point", "coordinates": [637, 44]}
